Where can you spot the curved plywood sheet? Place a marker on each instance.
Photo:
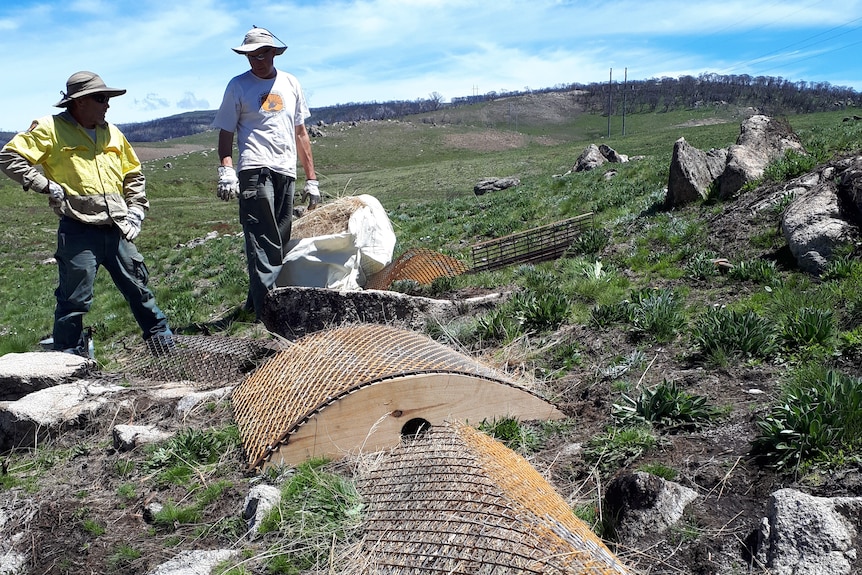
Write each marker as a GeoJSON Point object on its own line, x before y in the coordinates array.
{"type": "Point", "coordinates": [453, 500]}
{"type": "Point", "coordinates": [360, 387]}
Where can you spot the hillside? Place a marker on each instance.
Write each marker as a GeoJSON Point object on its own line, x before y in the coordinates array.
{"type": "Point", "coordinates": [553, 105]}
{"type": "Point", "coordinates": [568, 335]}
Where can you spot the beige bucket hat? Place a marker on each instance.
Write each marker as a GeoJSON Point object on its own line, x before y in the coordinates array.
{"type": "Point", "coordinates": [257, 38]}
{"type": "Point", "coordinates": [83, 84]}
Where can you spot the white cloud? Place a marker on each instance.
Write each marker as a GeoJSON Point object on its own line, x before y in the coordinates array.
{"type": "Point", "coordinates": [362, 50]}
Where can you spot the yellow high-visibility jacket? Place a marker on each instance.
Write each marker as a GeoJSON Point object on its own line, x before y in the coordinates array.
{"type": "Point", "coordinates": [102, 179]}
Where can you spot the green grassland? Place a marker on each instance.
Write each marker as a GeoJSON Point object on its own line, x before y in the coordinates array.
{"type": "Point", "coordinates": [634, 334]}
{"type": "Point", "coordinates": [419, 168]}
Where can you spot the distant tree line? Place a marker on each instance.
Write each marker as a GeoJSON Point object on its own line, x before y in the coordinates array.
{"type": "Point", "coordinates": [770, 95]}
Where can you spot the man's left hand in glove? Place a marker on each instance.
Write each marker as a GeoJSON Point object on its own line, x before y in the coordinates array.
{"type": "Point", "coordinates": [311, 191]}
{"type": "Point", "coordinates": [134, 219]}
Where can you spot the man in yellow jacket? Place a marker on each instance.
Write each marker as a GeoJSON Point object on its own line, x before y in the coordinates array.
{"type": "Point", "coordinates": [94, 183]}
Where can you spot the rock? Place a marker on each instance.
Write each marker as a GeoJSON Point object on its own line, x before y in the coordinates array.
{"type": "Point", "coordinates": [692, 172]}
{"type": "Point", "coordinates": [150, 511]}
{"type": "Point", "coordinates": [494, 185]}
{"type": "Point", "coordinates": [813, 226]}
{"type": "Point", "coordinates": [807, 535]}
{"type": "Point", "coordinates": [259, 501]}
{"type": "Point", "coordinates": [23, 373]}
{"type": "Point", "coordinates": [611, 155]}
{"type": "Point", "coordinates": [590, 159]}
{"type": "Point", "coordinates": [641, 505]}
{"type": "Point", "coordinates": [191, 400]}
{"type": "Point", "coordinates": [194, 562]}
{"type": "Point", "coordinates": [850, 188]}
{"type": "Point", "coordinates": [127, 437]}
{"type": "Point", "coordinates": [25, 422]}
{"type": "Point", "coordinates": [761, 140]}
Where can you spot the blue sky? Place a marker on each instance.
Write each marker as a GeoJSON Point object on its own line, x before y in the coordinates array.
{"type": "Point", "coordinates": [175, 57]}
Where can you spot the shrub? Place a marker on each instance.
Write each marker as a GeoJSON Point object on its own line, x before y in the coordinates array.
{"type": "Point", "coordinates": [757, 270]}
{"type": "Point", "coordinates": [789, 166]}
{"type": "Point", "coordinates": [591, 241]}
{"type": "Point", "coordinates": [665, 405]}
{"type": "Point", "coordinates": [807, 327]}
{"type": "Point", "coordinates": [604, 315]}
{"type": "Point", "coordinates": [525, 312]}
{"type": "Point", "coordinates": [512, 434]}
{"type": "Point", "coordinates": [722, 333]}
{"type": "Point", "coordinates": [657, 312]}
{"type": "Point", "coordinates": [701, 266]}
{"type": "Point", "coordinates": [818, 415]}
{"type": "Point", "coordinates": [618, 447]}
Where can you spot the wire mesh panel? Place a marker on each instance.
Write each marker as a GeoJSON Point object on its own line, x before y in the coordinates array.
{"type": "Point", "coordinates": [328, 392]}
{"type": "Point", "coordinates": [530, 246]}
{"type": "Point", "coordinates": [453, 500]}
{"type": "Point", "coordinates": [418, 264]}
{"type": "Point", "coordinates": [204, 361]}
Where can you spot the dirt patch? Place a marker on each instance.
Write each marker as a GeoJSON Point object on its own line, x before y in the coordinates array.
{"type": "Point", "coordinates": [148, 152]}
{"type": "Point", "coordinates": [493, 141]}
{"type": "Point", "coordinates": [703, 122]}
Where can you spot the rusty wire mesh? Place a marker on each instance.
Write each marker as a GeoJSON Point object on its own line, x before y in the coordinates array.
{"type": "Point", "coordinates": [203, 361]}
{"type": "Point", "coordinates": [418, 264]}
{"type": "Point", "coordinates": [453, 500]}
{"type": "Point", "coordinates": [320, 368]}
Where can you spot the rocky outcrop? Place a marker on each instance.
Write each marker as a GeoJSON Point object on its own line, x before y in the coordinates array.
{"type": "Point", "coordinates": [807, 535]}
{"type": "Point", "coordinates": [823, 214]}
{"type": "Point", "coordinates": [761, 140]}
{"type": "Point", "coordinates": [494, 185]}
{"type": "Point", "coordinates": [24, 373]}
{"type": "Point", "coordinates": [594, 156]}
{"type": "Point", "coordinates": [692, 172]}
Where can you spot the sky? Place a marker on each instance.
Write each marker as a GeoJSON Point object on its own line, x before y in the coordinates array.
{"type": "Point", "coordinates": [175, 57]}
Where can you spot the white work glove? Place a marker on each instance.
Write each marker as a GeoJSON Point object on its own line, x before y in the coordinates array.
{"type": "Point", "coordinates": [134, 219]}
{"type": "Point", "coordinates": [228, 184]}
{"type": "Point", "coordinates": [312, 193]}
{"type": "Point", "coordinates": [55, 194]}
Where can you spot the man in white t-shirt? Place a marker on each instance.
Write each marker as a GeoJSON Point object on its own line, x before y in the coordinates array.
{"type": "Point", "coordinates": [266, 109]}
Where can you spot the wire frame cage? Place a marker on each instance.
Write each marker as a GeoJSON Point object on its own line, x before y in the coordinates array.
{"type": "Point", "coordinates": [454, 500]}
{"type": "Point", "coordinates": [205, 362]}
{"type": "Point", "coordinates": [531, 246]}
{"type": "Point", "coordinates": [360, 388]}
{"type": "Point", "coordinates": [418, 264]}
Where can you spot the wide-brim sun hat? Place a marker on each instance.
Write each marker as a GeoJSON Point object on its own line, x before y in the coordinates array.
{"type": "Point", "coordinates": [85, 83]}
{"type": "Point", "coordinates": [258, 38]}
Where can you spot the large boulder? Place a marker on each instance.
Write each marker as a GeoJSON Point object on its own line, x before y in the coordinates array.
{"type": "Point", "coordinates": [692, 172]}
{"type": "Point", "coordinates": [590, 159]}
{"type": "Point", "coordinates": [825, 215]}
{"type": "Point", "coordinates": [24, 373]}
{"type": "Point", "coordinates": [807, 535]}
{"type": "Point", "coordinates": [761, 140]}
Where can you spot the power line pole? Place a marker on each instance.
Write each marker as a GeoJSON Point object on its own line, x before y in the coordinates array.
{"type": "Point", "coordinates": [610, 80]}
{"type": "Point", "coordinates": [625, 79]}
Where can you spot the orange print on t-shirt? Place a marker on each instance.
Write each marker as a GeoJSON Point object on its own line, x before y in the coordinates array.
{"type": "Point", "coordinates": [271, 103]}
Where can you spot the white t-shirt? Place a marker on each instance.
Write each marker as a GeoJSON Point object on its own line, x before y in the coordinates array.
{"type": "Point", "coordinates": [264, 114]}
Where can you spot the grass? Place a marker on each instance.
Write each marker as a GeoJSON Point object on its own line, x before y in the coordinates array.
{"type": "Point", "coordinates": [641, 275]}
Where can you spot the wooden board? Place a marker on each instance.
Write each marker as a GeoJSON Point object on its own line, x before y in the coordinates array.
{"type": "Point", "coordinates": [373, 417]}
